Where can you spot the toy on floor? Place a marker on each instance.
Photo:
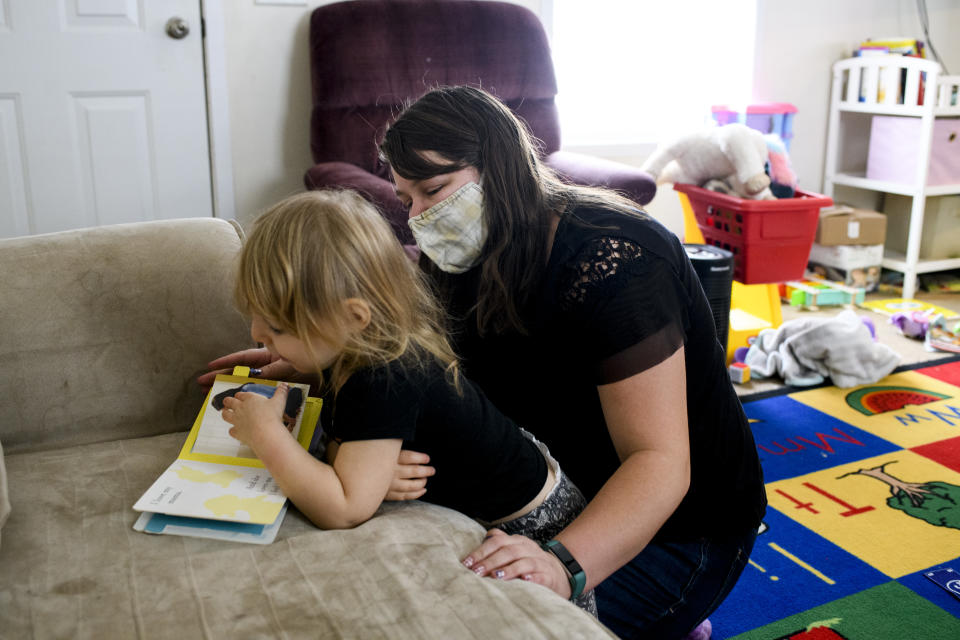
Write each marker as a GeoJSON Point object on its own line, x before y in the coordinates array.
{"type": "Point", "coordinates": [913, 324]}
{"type": "Point", "coordinates": [814, 293]}
{"type": "Point", "coordinates": [739, 372]}
{"type": "Point", "coordinates": [942, 334]}
{"type": "Point", "coordinates": [733, 153]}
{"type": "Point", "coordinates": [893, 306]}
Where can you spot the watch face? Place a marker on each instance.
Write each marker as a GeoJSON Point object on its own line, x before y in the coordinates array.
{"type": "Point", "coordinates": [578, 579]}
{"type": "Point", "coordinates": [564, 555]}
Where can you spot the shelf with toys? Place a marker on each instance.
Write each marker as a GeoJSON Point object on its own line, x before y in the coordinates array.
{"type": "Point", "coordinates": [893, 129]}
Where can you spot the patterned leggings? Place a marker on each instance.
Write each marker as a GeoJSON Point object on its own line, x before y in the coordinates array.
{"type": "Point", "coordinates": [559, 508]}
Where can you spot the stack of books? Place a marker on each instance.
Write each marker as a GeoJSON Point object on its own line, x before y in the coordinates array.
{"type": "Point", "coordinates": [217, 488]}
{"type": "Point", "coordinates": [892, 79]}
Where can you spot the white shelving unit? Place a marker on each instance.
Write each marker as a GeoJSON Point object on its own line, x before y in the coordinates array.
{"type": "Point", "coordinates": [856, 90]}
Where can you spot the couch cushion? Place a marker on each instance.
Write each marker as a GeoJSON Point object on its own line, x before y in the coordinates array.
{"type": "Point", "coordinates": [72, 566]}
{"type": "Point", "coordinates": [105, 329]}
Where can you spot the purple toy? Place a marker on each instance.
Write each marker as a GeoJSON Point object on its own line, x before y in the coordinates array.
{"type": "Point", "coordinates": [913, 324]}
{"type": "Point", "coordinates": [740, 355]}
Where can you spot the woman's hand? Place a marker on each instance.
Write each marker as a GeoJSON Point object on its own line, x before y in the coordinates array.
{"type": "Point", "coordinates": [506, 557]}
{"type": "Point", "coordinates": [256, 418]}
{"type": "Point", "coordinates": [272, 368]}
{"type": "Point", "coordinates": [410, 477]}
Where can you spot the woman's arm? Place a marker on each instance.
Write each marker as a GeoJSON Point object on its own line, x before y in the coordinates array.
{"type": "Point", "coordinates": [340, 496]}
{"type": "Point", "coordinates": [646, 415]}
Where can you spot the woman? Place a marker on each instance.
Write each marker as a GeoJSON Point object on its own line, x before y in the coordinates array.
{"type": "Point", "coordinates": [582, 319]}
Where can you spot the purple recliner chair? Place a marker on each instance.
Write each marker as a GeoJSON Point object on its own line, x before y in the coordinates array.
{"type": "Point", "coordinates": [369, 57]}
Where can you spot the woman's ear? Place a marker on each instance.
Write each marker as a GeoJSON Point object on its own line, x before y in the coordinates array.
{"type": "Point", "coordinates": [358, 313]}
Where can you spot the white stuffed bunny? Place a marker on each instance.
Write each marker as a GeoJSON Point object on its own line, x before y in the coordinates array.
{"type": "Point", "coordinates": [733, 153]}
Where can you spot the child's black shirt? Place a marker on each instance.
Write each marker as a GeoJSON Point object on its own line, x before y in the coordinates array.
{"type": "Point", "coordinates": [486, 468]}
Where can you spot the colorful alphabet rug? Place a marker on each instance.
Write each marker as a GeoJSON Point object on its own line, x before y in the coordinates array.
{"type": "Point", "coordinates": [862, 534]}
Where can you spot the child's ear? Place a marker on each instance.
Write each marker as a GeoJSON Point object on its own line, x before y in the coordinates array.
{"type": "Point", "coordinates": [358, 313]}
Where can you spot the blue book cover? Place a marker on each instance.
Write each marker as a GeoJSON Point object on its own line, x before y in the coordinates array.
{"type": "Point", "coordinates": [163, 524]}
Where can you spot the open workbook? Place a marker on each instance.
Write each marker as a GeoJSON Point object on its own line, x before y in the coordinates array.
{"type": "Point", "coordinates": [217, 480]}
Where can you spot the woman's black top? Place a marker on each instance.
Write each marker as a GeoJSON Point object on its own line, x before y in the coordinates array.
{"type": "Point", "coordinates": [619, 296]}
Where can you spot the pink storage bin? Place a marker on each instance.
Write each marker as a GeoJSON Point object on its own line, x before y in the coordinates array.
{"type": "Point", "coordinates": [893, 155]}
{"type": "Point", "coordinates": [765, 117]}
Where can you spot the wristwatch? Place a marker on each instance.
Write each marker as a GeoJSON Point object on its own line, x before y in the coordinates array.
{"type": "Point", "coordinates": [578, 579]}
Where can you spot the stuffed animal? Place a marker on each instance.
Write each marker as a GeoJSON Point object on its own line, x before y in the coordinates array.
{"type": "Point", "coordinates": [733, 153]}
{"type": "Point", "coordinates": [783, 180]}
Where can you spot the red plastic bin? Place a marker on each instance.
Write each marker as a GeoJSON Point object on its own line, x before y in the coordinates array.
{"type": "Point", "coordinates": [770, 239]}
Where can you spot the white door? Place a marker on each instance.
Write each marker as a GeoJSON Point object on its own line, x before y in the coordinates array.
{"type": "Point", "coordinates": [102, 114]}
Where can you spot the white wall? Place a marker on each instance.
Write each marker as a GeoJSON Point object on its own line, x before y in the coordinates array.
{"type": "Point", "coordinates": [797, 42]}
{"type": "Point", "coordinates": [269, 92]}
{"type": "Point", "coordinates": [269, 82]}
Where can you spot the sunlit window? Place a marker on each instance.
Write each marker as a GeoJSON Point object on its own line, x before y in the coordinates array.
{"type": "Point", "coordinates": [635, 71]}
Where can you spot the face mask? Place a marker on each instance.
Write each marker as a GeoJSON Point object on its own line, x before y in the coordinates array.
{"type": "Point", "coordinates": [452, 232]}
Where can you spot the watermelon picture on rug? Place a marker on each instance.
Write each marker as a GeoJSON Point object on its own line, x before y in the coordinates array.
{"type": "Point", "coordinates": [874, 400]}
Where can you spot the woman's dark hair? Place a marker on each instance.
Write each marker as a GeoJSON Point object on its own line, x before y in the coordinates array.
{"type": "Point", "coordinates": [469, 127]}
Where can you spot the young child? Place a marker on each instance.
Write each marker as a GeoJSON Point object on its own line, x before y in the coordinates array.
{"type": "Point", "coordinates": [331, 291]}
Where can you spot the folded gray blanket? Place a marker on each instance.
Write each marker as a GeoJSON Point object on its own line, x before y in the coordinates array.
{"type": "Point", "coordinates": [805, 351]}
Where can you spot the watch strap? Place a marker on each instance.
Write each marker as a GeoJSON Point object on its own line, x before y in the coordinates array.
{"type": "Point", "coordinates": [578, 579]}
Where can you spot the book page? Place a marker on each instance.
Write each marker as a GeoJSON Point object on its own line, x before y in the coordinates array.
{"type": "Point", "coordinates": [217, 477]}
{"type": "Point", "coordinates": [214, 491]}
{"type": "Point", "coordinates": [213, 436]}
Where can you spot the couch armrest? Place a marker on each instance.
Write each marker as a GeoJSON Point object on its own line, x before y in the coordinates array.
{"type": "Point", "coordinates": [105, 329]}
{"type": "Point", "coordinates": [634, 183]}
{"type": "Point", "coordinates": [374, 188]}
{"type": "Point", "coordinates": [4, 493]}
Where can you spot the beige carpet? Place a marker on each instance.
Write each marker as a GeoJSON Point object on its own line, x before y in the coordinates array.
{"type": "Point", "coordinates": [911, 351]}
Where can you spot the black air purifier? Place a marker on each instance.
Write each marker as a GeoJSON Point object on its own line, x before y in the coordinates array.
{"type": "Point", "coordinates": [714, 267]}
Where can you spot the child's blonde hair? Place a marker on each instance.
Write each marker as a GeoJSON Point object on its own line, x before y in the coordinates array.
{"type": "Point", "coordinates": [311, 252]}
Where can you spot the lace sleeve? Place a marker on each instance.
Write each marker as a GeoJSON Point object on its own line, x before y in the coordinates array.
{"type": "Point", "coordinates": [602, 259]}
{"type": "Point", "coordinates": [628, 307]}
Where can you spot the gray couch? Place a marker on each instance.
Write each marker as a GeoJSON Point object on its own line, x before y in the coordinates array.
{"type": "Point", "coordinates": [102, 334]}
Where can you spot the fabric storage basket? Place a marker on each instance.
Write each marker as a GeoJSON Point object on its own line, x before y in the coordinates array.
{"type": "Point", "coordinates": [893, 152]}
{"type": "Point", "coordinates": [770, 239]}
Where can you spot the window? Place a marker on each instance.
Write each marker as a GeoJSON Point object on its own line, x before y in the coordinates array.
{"type": "Point", "coordinates": [635, 73]}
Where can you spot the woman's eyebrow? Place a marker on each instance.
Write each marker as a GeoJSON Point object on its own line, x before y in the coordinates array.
{"type": "Point", "coordinates": [401, 192]}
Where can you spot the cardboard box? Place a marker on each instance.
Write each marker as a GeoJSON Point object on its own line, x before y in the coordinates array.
{"type": "Point", "coordinates": [941, 225]}
{"type": "Point", "coordinates": [853, 265]}
{"type": "Point", "coordinates": [894, 150]}
{"type": "Point", "coordinates": [845, 225]}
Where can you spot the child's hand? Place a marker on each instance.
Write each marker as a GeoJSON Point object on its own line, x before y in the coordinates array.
{"type": "Point", "coordinates": [410, 477]}
{"type": "Point", "coordinates": [256, 418]}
